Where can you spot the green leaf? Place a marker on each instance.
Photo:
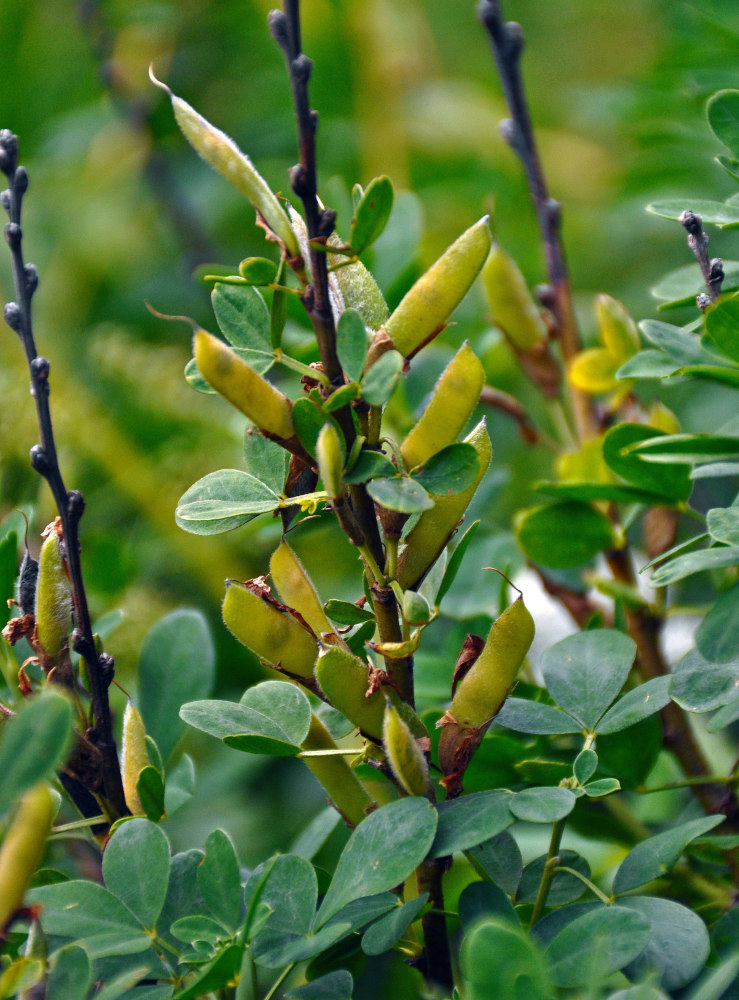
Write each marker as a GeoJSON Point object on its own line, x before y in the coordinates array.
{"type": "Point", "coordinates": [680, 287]}
{"type": "Point", "coordinates": [180, 785]}
{"type": "Point", "coordinates": [455, 561]}
{"type": "Point", "coordinates": [222, 971]}
{"type": "Point", "coordinates": [496, 951]}
{"type": "Point", "coordinates": [258, 270]}
{"type": "Point", "coordinates": [563, 534]}
{"type": "Point", "coordinates": [336, 985]}
{"type": "Point", "coordinates": [724, 717]}
{"type": "Point", "coordinates": [715, 373]}
{"type": "Point", "coordinates": [150, 789]}
{"type": "Point", "coordinates": [341, 397]}
{"type": "Point", "coordinates": [196, 380]}
{"type": "Point", "coordinates": [717, 213]}
{"type": "Point", "coordinates": [526, 716]}
{"type": "Point", "coordinates": [500, 857]}
{"type": "Point", "coordinates": [383, 850]}
{"type": "Point", "coordinates": [717, 636]}
{"type": "Point", "coordinates": [695, 562]}
{"type": "Point", "coordinates": [603, 786]}
{"type": "Point", "coordinates": [678, 946]}
{"type": "Point", "coordinates": [670, 481]}
{"type": "Point", "coordinates": [199, 927]}
{"type": "Point", "coordinates": [71, 974]}
{"type": "Point", "coordinates": [219, 880]}
{"type": "Point", "coordinates": [722, 327]}
{"type": "Point", "coordinates": [722, 111]}
{"type": "Point", "coordinates": [380, 380]}
{"type": "Point", "coordinates": [344, 613]}
{"type": "Point", "coordinates": [222, 501]}
{"type": "Point", "coordinates": [240, 727]}
{"type": "Point", "coordinates": [681, 345]}
{"type": "Point", "coordinates": [595, 944]}
{"type": "Point", "coordinates": [285, 704]}
{"type": "Point", "coordinates": [542, 805]}
{"type": "Point", "coordinates": [564, 887]}
{"type": "Point", "coordinates": [471, 820]}
{"type": "Point", "coordinates": [279, 948]}
{"type": "Point", "coordinates": [401, 494]}
{"type": "Point", "coordinates": [715, 469]}
{"type": "Point", "coordinates": [244, 321]}
{"type": "Point", "coordinates": [585, 672]}
{"type": "Point", "coordinates": [351, 343]}
{"type": "Point", "coordinates": [585, 765]}
{"type": "Point", "coordinates": [687, 448]}
{"type": "Point", "coordinates": [646, 364]}
{"type": "Point", "coordinates": [371, 214]}
{"type": "Point", "coordinates": [309, 419]}
{"type": "Point", "coordinates": [383, 934]}
{"type": "Point", "coordinates": [637, 704]}
{"type": "Point", "coordinates": [177, 664]}
{"type": "Point", "coordinates": [136, 866]}
{"type": "Point", "coordinates": [290, 892]}
{"type": "Point", "coordinates": [33, 743]}
{"type": "Point", "coordinates": [315, 833]}
{"type": "Point", "coordinates": [697, 685]}
{"type": "Point", "coordinates": [588, 492]}
{"type": "Point", "coordinates": [370, 465]}
{"type": "Point", "coordinates": [480, 900]}
{"type": "Point", "coordinates": [449, 471]}
{"type": "Point", "coordinates": [653, 857]}
{"type": "Point", "coordinates": [723, 524]}
{"type": "Point", "coordinates": [730, 165]}
{"type": "Point", "coordinates": [265, 460]}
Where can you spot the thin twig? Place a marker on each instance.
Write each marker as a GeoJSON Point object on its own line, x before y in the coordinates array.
{"type": "Point", "coordinates": [44, 460]}
{"type": "Point", "coordinates": [712, 270]}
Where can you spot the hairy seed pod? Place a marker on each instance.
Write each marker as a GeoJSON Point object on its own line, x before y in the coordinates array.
{"type": "Point", "coordinates": [486, 685]}
{"type": "Point", "coordinates": [222, 153]}
{"type": "Point", "coordinates": [296, 588]}
{"type": "Point", "coordinates": [358, 289]}
{"type": "Point", "coordinates": [330, 463]}
{"type": "Point", "coordinates": [134, 757]}
{"type": "Point", "coordinates": [244, 388]}
{"type": "Point", "coordinates": [23, 847]}
{"type": "Point", "coordinates": [434, 528]}
{"type": "Point", "coordinates": [408, 763]}
{"type": "Point", "coordinates": [53, 597]}
{"type": "Point", "coordinates": [346, 791]}
{"type": "Point", "coordinates": [27, 579]}
{"type": "Point", "coordinates": [511, 304]}
{"type": "Point", "coordinates": [438, 292]}
{"type": "Point", "coordinates": [455, 396]}
{"type": "Point", "coordinates": [273, 635]}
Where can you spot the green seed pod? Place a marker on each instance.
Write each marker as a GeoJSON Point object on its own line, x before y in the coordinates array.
{"type": "Point", "coordinates": [404, 754]}
{"type": "Point", "coordinates": [415, 608]}
{"type": "Point", "coordinates": [346, 791]}
{"type": "Point", "coordinates": [512, 306]}
{"type": "Point", "coordinates": [134, 757]}
{"type": "Point", "coordinates": [483, 689]}
{"type": "Point", "coordinates": [222, 153]}
{"type": "Point", "coordinates": [330, 461]}
{"type": "Point", "coordinates": [434, 528]}
{"type": "Point", "coordinates": [617, 329]}
{"type": "Point", "coordinates": [438, 292]}
{"type": "Point", "coordinates": [358, 289]}
{"type": "Point", "coordinates": [244, 388]}
{"type": "Point", "coordinates": [53, 597]}
{"type": "Point", "coordinates": [23, 847]}
{"type": "Point", "coordinates": [455, 396]}
{"type": "Point", "coordinates": [296, 588]}
{"type": "Point", "coordinates": [273, 635]}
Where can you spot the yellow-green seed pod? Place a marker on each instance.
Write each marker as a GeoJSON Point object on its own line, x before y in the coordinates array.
{"type": "Point", "coordinates": [134, 757]}
{"type": "Point", "coordinates": [483, 689]}
{"type": "Point", "coordinates": [23, 847]}
{"type": "Point", "coordinates": [296, 588]}
{"type": "Point", "coordinates": [455, 396]}
{"type": "Point", "coordinates": [415, 608]}
{"type": "Point", "coordinates": [222, 153]}
{"type": "Point", "coordinates": [358, 289]}
{"type": "Point", "coordinates": [330, 463]}
{"type": "Point", "coordinates": [438, 292]}
{"type": "Point", "coordinates": [53, 597]}
{"type": "Point", "coordinates": [273, 635]}
{"type": "Point", "coordinates": [404, 754]}
{"type": "Point", "coordinates": [617, 329]}
{"type": "Point", "coordinates": [346, 791]}
{"type": "Point", "coordinates": [344, 679]}
{"type": "Point", "coordinates": [227, 373]}
{"type": "Point", "coordinates": [512, 306]}
{"type": "Point", "coordinates": [426, 541]}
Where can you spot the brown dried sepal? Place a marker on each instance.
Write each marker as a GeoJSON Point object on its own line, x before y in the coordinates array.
{"type": "Point", "coordinates": [19, 628]}
{"type": "Point", "coordinates": [260, 588]}
{"type": "Point", "coordinates": [457, 746]}
{"type": "Point", "coordinates": [471, 649]}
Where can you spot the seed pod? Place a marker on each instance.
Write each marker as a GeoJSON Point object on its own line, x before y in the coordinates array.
{"type": "Point", "coordinates": [404, 754]}
{"type": "Point", "coordinates": [434, 528]}
{"type": "Point", "coordinates": [134, 757]}
{"type": "Point", "coordinates": [222, 153]}
{"type": "Point", "coordinates": [455, 396]}
{"type": "Point", "coordinates": [27, 579]}
{"type": "Point", "coordinates": [483, 689]}
{"type": "Point", "coordinates": [438, 292]}
{"type": "Point", "coordinates": [296, 588]}
{"type": "Point", "coordinates": [330, 462]}
{"type": "Point", "coordinates": [512, 306]}
{"type": "Point", "coordinates": [244, 388]}
{"type": "Point", "coordinates": [53, 597]}
{"type": "Point", "coordinates": [415, 608]}
{"type": "Point", "coordinates": [346, 791]}
{"type": "Point", "coordinates": [617, 329]}
{"type": "Point", "coordinates": [23, 847]}
{"type": "Point", "coordinates": [273, 635]}
{"type": "Point", "coordinates": [358, 289]}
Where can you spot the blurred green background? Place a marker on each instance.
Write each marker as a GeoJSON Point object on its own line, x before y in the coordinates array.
{"type": "Point", "coordinates": [120, 212]}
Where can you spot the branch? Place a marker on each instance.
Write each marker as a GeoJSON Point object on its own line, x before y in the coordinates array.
{"type": "Point", "coordinates": [712, 270]}
{"type": "Point", "coordinates": [44, 460]}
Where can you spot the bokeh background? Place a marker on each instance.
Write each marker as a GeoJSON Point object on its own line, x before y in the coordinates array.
{"type": "Point", "coordinates": [120, 212]}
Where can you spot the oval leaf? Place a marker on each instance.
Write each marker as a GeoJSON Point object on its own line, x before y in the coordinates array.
{"type": "Point", "coordinates": [563, 534]}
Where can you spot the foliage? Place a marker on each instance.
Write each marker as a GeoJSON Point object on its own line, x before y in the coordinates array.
{"type": "Point", "coordinates": [475, 842]}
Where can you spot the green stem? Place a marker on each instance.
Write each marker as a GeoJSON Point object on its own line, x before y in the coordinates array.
{"type": "Point", "coordinates": [593, 888]}
{"type": "Point", "coordinates": [279, 981]}
{"type": "Point", "coordinates": [300, 368]}
{"type": "Point", "coordinates": [714, 779]}
{"type": "Point", "coordinates": [549, 870]}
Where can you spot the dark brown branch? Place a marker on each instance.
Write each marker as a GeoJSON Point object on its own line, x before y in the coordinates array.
{"type": "Point", "coordinates": [44, 460]}
{"type": "Point", "coordinates": [712, 270]}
